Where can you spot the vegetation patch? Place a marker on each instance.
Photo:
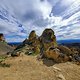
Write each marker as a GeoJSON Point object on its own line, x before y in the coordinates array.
{"type": "Point", "coordinates": [2, 58]}
{"type": "Point", "coordinates": [31, 53]}
{"type": "Point", "coordinates": [4, 65]}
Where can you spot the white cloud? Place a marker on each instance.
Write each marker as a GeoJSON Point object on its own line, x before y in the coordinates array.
{"type": "Point", "coordinates": [28, 12]}
{"type": "Point", "coordinates": [75, 6]}
{"type": "Point", "coordinates": [15, 39]}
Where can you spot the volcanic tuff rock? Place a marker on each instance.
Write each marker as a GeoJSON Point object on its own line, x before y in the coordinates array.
{"type": "Point", "coordinates": [46, 46]}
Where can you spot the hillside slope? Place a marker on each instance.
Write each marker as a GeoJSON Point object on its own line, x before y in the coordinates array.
{"type": "Point", "coordinates": [4, 48]}
{"type": "Point", "coordinates": [29, 68]}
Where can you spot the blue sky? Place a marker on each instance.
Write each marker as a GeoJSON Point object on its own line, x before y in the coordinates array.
{"type": "Point", "coordinates": [19, 17]}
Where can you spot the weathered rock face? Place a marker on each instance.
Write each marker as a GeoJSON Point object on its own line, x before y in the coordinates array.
{"type": "Point", "coordinates": [32, 36]}
{"type": "Point", "coordinates": [65, 50]}
{"type": "Point", "coordinates": [46, 45]}
{"type": "Point", "coordinates": [34, 42]}
{"type": "Point", "coordinates": [2, 37]}
{"type": "Point", "coordinates": [52, 53]}
{"type": "Point", "coordinates": [47, 40]}
{"type": "Point", "coordinates": [29, 46]}
{"type": "Point", "coordinates": [56, 55]}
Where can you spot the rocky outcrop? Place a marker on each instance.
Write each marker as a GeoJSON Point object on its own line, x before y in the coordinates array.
{"type": "Point", "coordinates": [56, 55]}
{"type": "Point", "coordinates": [29, 46]}
{"type": "Point", "coordinates": [46, 46]}
{"type": "Point", "coordinates": [47, 40]}
{"type": "Point", "coordinates": [2, 39]}
{"type": "Point", "coordinates": [34, 42]}
{"type": "Point", "coordinates": [65, 50]}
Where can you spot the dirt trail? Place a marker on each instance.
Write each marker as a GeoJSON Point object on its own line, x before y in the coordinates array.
{"type": "Point", "coordinates": [29, 68]}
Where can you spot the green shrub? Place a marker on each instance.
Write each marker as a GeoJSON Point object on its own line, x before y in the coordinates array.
{"type": "Point", "coordinates": [4, 65]}
{"type": "Point", "coordinates": [2, 58]}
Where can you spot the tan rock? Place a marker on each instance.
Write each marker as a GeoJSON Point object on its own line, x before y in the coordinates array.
{"type": "Point", "coordinates": [61, 77]}
{"type": "Point", "coordinates": [53, 54]}
{"type": "Point", "coordinates": [48, 39]}
{"type": "Point", "coordinates": [2, 39]}
{"type": "Point", "coordinates": [65, 50]}
{"type": "Point", "coordinates": [32, 36]}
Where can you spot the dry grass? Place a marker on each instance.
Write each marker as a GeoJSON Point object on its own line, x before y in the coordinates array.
{"type": "Point", "coordinates": [29, 68]}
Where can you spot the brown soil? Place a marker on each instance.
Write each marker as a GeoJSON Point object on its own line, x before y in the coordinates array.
{"type": "Point", "coordinates": [29, 68]}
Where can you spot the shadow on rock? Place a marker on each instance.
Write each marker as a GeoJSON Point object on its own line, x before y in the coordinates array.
{"type": "Point", "coordinates": [48, 62]}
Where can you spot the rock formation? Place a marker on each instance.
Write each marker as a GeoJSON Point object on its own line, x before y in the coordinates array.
{"type": "Point", "coordinates": [2, 37]}
{"type": "Point", "coordinates": [29, 46]}
{"type": "Point", "coordinates": [47, 40]}
{"type": "Point", "coordinates": [46, 46]}
{"type": "Point", "coordinates": [65, 50]}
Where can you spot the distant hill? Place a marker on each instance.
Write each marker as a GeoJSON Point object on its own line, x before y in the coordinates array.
{"type": "Point", "coordinates": [69, 41]}
{"type": "Point", "coordinates": [14, 43]}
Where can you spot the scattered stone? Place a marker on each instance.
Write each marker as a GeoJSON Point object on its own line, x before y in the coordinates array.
{"type": "Point", "coordinates": [58, 69]}
{"type": "Point", "coordinates": [61, 77]}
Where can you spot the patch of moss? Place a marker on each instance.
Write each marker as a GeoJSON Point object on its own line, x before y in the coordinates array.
{"type": "Point", "coordinates": [34, 54]}
{"type": "Point", "coordinates": [2, 58]}
{"type": "Point", "coordinates": [31, 53]}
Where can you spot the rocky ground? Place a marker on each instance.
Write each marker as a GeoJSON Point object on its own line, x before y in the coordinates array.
{"type": "Point", "coordinates": [39, 58]}
{"type": "Point", "coordinates": [29, 68]}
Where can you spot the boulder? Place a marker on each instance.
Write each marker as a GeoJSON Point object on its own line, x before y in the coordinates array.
{"type": "Point", "coordinates": [65, 50]}
{"type": "Point", "coordinates": [54, 53]}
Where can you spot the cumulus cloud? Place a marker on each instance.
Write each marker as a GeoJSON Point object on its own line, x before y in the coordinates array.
{"type": "Point", "coordinates": [19, 17]}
